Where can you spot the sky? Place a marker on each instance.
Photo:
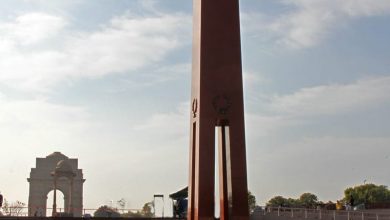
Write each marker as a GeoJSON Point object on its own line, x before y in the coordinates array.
{"type": "Point", "coordinates": [108, 82]}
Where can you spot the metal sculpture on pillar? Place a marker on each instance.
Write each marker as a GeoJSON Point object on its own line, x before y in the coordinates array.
{"type": "Point", "coordinates": [63, 169]}
{"type": "Point", "coordinates": [217, 102]}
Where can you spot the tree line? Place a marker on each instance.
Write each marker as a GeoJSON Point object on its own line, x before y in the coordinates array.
{"type": "Point", "coordinates": [365, 195]}
{"type": "Point", "coordinates": [110, 212]}
{"type": "Point", "coordinates": [146, 211]}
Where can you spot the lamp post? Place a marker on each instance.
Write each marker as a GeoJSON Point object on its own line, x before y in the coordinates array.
{"type": "Point", "coordinates": [54, 211]}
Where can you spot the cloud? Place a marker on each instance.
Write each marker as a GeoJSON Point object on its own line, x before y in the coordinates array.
{"type": "Point", "coordinates": [334, 98]}
{"type": "Point", "coordinates": [148, 79]}
{"type": "Point", "coordinates": [315, 111]}
{"type": "Point", "coordinates": [31, 28]}
{"type": "Point", "coordinates": [168, 126]}
{"type": "Point", "coordinates": [127, 43]}
{"type": "Point", "coordinates": [252, 78]}
{"type": "Point", "coordinates": [309, 22]}
{"type": "Point", "coordinates": [38, 121]}
{"type": "Point", "coordinates": [261, 126]}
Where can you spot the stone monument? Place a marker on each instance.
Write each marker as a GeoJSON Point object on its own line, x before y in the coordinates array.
{"type": "Point", "coordinates": [56, 172]}
{"type": "Point", "coordinates": [217, 104]}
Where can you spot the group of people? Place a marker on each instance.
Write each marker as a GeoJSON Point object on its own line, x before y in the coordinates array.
{"type": "Point", "coordinates": [348, 205]}
{"type": "Point", "coordinates": [180, 208]}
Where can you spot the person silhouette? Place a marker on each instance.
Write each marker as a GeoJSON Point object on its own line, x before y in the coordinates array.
{"type": "Point", "coordinates": [1, 200]}
{"type": "Point", "coordinates": [351, 201]}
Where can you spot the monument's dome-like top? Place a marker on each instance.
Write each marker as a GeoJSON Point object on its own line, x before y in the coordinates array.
{"type": "Point", "coordinates": [58, 155]}
{"type": "Point", "coordinates": [64, 167]}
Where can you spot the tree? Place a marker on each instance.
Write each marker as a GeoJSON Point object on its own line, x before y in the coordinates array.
{"type": "Point", "coordinates": [290, 202]}
{"type": "Point", "coordinates": [251, 202]}
{"type": "Point", "coordinates": [281, 201]}
{"type": "Point", "coordinates": [106, 211]}
{"type": "Point", "coordinates": [122, 203]}
{"type": "Point", "coordinates": [13, 209]}
{"type": "Point", "coordinates": [277, 201]}
{"type": "Point", "coordinates": [308, 200]}
{"type": "Point", "coordinates": [367, 193]}
{"type": "Point", "coordinates": [147, 210]}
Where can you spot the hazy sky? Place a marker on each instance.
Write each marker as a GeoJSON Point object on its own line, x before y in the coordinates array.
{"type": "Point", "coordinates": [108, 82]}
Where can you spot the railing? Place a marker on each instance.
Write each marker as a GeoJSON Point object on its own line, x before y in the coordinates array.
{"type": "Point", "coordinates": [322, 214]}
{"type": "Point", "coordinates": [43, 211]}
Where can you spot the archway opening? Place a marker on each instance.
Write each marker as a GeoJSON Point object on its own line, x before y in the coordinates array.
{"type": "Point", "coordinates": [60, 202]}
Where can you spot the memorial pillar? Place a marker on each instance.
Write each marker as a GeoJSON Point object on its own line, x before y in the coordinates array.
{"type": "Point", "coordinates": [217, 102]}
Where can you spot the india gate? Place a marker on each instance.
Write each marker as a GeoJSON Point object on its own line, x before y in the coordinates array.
{"type": "Point", "coordinates": [56, 172]}
{"type": "Point", "coordinates": [217, 104]}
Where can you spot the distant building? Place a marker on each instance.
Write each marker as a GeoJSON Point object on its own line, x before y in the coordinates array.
{"type": "Point", "coordinates": [59, 172]}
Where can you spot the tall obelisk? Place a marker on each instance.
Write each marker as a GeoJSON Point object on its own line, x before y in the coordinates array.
{"type": "Point", "coordinates": [217, 102]}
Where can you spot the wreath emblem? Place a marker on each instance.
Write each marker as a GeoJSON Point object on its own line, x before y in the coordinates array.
{"type": "Point", "coordinates": [194, 107]}
{"type": "Point", "coordinates": [221, 104]}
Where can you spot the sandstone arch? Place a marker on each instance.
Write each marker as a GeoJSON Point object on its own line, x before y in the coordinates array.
{"type": "Point", "coordinates": [42, 181]}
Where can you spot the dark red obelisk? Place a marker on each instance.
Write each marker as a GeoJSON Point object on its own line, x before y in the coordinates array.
{"type": "Point", "coordinates": [217, 102]}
